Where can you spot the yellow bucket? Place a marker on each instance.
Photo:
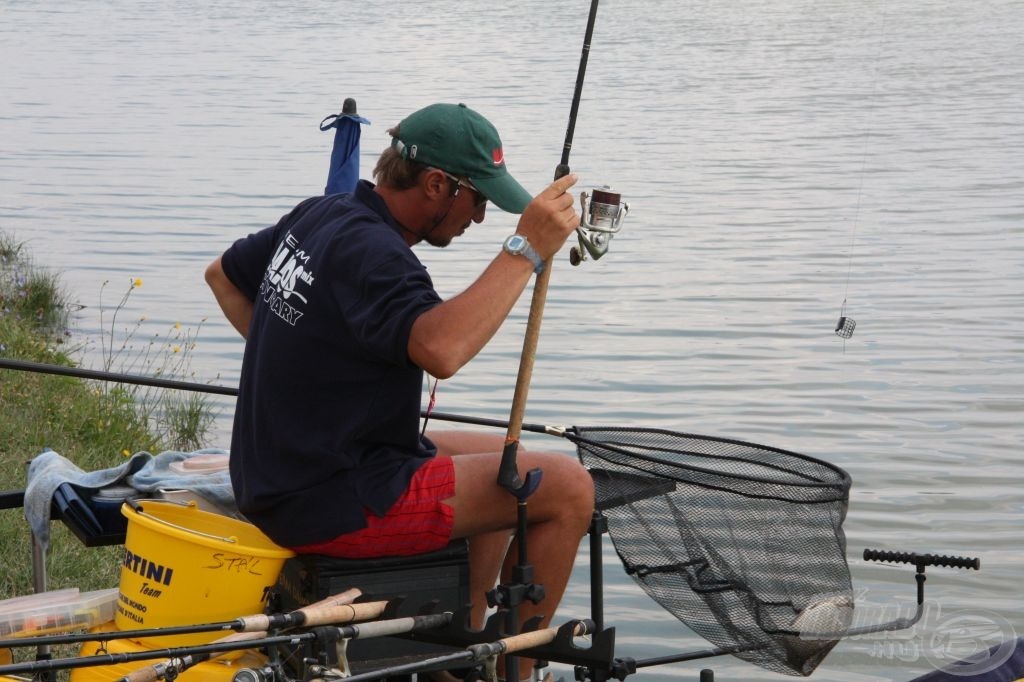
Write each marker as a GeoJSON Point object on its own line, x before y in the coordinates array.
{"type": "Point", "coordinates": [184, 566]}
{"type": "Point", "coordinates": [214, 670]}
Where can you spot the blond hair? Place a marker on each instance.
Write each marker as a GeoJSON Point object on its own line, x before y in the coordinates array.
{"type": "Point", "coordinates": [394, 171]}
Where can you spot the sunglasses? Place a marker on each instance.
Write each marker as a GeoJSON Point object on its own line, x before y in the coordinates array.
{"type": "Point", "coordinates": [479, 198]}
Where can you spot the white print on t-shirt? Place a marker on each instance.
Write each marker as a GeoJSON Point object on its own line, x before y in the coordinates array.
{"type": "Point", "coordinates": [286, 269]}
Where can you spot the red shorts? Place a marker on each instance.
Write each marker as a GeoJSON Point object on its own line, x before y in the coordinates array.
{"type": "Point", "coordinates": [417, 523]}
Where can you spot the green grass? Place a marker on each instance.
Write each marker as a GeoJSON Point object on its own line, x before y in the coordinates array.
{"type": "Point", "coordinates": [92, 424]}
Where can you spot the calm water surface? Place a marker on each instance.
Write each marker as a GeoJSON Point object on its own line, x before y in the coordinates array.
{"type": "Point", "coordinates": [779, 158]}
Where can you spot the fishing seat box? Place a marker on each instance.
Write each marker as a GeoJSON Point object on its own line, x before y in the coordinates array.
{"type": "Point", "coordinates": [420, 580]}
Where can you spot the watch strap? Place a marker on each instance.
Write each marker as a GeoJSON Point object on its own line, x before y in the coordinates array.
{"type": "Point", "coordinates": [527, 250]}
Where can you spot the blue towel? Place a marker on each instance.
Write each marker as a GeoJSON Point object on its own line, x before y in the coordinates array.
{"type": "Point", "coordinates": [343, 173]}
{"type": "Point", "coordinates": [142, 471]}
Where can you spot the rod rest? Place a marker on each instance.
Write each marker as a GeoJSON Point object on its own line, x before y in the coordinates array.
{"type": "Point", "coordinates": [922, 560]}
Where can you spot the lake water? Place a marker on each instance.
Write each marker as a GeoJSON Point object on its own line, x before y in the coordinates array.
{"type": "Point", "coordinates": [779, 158]}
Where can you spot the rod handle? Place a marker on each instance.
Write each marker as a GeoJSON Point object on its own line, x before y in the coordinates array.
{"type": "Point", "coordinates": [345, 613]}
{"type": "Point", "coordinates": [398, 626]}
{"type": "Point", "coordinates": [341, 599]}
{"type": "Point", "coordinates": [922, 560]}
{"type": "Point", "coordinates": [151, 673]}
{"type": "Point", "coordinates": [315, 614]}
{"type": "Point", "coordinates": [346, 597]}
{"type": "Point", "coordinates": [528, 640]}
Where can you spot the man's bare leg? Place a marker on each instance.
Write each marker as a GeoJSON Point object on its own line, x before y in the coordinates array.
{"type": "Point", "coordinates": [558, 514]}
{"type": "Point", "coordinates": [486, 550]}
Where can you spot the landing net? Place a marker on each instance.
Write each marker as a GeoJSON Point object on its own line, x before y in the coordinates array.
{"type": "Point", "coordinates": [741, 542]}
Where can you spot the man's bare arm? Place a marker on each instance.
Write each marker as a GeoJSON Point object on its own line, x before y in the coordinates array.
{"type": "Point", "coordinates": [237, 308]}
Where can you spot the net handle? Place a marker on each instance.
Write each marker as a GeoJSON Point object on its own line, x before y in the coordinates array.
{"type": "Point", "coordinates": [572, 434]}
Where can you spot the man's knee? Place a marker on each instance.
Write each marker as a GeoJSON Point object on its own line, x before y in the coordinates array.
{"type": "Point", "coordinates": [583, 484]}
{"type": "Point", "coordinates": [574, 490]}
{"type": "Point", "coordinates": [586, 483]}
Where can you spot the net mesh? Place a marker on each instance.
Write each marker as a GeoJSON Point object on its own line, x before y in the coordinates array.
{"type": "Point", "coordinates": [743, 543]}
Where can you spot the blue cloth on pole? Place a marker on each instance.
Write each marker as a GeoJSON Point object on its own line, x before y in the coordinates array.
{"type": "Point", "coordinates": [344, 171]}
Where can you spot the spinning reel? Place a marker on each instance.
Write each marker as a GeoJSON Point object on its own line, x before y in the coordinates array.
{"type": "Point", "coordinates": [602, 215]}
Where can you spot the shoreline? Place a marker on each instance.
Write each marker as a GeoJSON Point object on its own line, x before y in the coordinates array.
{"type": "Point", "coordinates": [93, 424]}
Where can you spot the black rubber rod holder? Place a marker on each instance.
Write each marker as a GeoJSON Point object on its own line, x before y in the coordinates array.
{"type": "Point", "coordinates": [922, 560]}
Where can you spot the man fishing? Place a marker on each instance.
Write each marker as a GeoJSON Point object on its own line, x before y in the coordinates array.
{"type": "Point", "coordinates": [341, 320]}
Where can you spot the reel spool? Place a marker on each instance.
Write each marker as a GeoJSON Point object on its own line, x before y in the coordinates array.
{"type": "Point", "coordinates": [602, 216]}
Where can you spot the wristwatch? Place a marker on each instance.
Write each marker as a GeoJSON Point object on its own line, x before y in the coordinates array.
{"type": "Point", "coordinates": [517, 245]}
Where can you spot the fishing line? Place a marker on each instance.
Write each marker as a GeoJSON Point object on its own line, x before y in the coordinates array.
{"type": "Point", "coordinates": [846, 325]}
{"type": "Point", "coordinates": [430, 406]}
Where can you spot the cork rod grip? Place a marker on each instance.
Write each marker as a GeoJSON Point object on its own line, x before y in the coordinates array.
{"type": "Point", "coordinates": [528, 640]}
{"type": "Point", "coordinates": [299, 616]}
{"type": "Point", "coordinates": [344, 613]}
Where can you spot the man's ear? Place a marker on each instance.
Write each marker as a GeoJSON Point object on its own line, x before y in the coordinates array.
{"type": "Point", "coordinates": [436, 185]}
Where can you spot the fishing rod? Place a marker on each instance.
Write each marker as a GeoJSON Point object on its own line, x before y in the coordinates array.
{"type": "Point", "coordinates": [509, 595]}
{"type": "Point", "coordinates": [476, 653]}
{"type": "Point", "coordinates": [369, 629]}
{"type": "Point", "coordinates": [601, 218]}
{"type": "Point", "coordinates": [337, 608]}
{"type": "Point", "coordinates": [116, 377]}
{"type": "Point", "coordinates": [173, 667]}
{"type": "Point", "coordinates": [573, 434]}
{"type": "Point", "coordinates": [95, 660]}
{"type": "Point", "coordinates": [508, 474]}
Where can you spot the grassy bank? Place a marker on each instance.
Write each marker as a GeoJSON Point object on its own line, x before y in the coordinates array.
{"type": "Point", "coordinates": [93, 425]}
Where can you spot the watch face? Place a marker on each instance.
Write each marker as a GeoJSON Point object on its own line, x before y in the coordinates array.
{"type": "Point", "coordinates": [516, 242]}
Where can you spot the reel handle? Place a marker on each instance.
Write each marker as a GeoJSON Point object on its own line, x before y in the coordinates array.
{"type": "Point", "coordinates": [922, 560]}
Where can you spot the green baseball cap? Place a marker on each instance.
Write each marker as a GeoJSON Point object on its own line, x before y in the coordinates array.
{"type": "Point", "coordinates": [458, 140]}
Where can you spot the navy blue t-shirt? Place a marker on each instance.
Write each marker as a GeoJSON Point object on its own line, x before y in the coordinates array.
{"type": "Point", "coordinates": [329, 402]}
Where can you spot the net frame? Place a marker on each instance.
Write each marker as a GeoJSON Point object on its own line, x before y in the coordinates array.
{"type": "Point", "coordinates": [735, 539]}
